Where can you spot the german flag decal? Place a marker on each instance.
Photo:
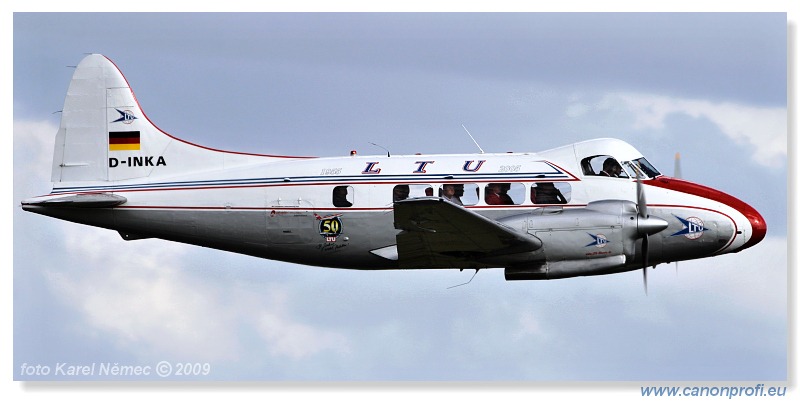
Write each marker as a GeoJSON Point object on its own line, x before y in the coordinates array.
{"type": "Point", "coordinates": [123, 141]}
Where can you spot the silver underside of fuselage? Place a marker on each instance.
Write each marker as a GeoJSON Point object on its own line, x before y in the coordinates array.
{"type": "Point", "coordinates": [295, 236]}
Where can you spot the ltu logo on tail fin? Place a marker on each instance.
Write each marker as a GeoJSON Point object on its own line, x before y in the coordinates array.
{"type": "Point", "coordinates": [125, 116]}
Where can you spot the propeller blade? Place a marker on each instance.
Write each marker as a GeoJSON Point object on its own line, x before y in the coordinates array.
{"type": "Point", "coordinates": [646, 225]}
{"type": "Point", "coordinates": [641, 202]}
{"type": "Point", "coordinates": [645, 253]}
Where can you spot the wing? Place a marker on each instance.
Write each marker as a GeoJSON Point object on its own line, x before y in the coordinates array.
{"type": "Point", "coordinates": [437, 233]}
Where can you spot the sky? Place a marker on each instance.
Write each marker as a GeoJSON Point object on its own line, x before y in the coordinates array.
{"type": "Point", "coordinates": [711, 86]}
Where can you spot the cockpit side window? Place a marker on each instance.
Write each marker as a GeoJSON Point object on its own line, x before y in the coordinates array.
{"type": "Point", "coordinates": [586, 165]}
{"type": "Point", "coordinates": [603, 165]}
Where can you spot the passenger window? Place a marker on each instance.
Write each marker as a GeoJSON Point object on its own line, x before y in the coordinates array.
{"type": "Point", "coordinates": [504, 193]}
{"type": "Point", "coordinates": [343, 196]}
{"type": "Point", "coordinates": [551, 193]}
{"type": "Point", "coordinates": [402, 192]}
{"type": "Point", "coordinates": [471, 196]}
{"type": "Point", "coordinates": [463, 194]}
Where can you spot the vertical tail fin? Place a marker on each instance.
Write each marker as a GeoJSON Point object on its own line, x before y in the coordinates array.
{"type": "Point", "coordinates": [81, 149]}
{"type": "Point", "coordinates": [105, 136]}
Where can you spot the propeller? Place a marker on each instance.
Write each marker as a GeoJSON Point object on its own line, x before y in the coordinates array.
{"type": "Point", "coordinates": [646, 226]}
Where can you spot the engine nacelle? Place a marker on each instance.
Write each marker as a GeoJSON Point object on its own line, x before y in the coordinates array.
{"type": "Point", "coordinates": [597, 239]}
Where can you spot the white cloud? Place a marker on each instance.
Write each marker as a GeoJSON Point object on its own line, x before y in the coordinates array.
{"type": "Point", "coordinates": [529, 326]}
{"type": "Point", "coordinates": [751, 282]}
{"type": "Point", "coordinates": [33, 155]}
{"type": "Point", "coordinates": [143, 295]}
{"type": "Point", "coordinates": [764, 130]}
{"type": "Point", "coordinates": [138, 294]}
{"type": "Point", "coordinates": [290, 338]}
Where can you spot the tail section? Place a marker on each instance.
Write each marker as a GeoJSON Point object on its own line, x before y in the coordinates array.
{"type": "Point", "coordinates": [105, 136]}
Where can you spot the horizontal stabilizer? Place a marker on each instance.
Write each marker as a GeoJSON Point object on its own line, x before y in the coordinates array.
{"type": "Point", "coordinates": [86, 200]}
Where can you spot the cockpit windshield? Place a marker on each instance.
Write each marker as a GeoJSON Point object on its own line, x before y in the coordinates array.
{"type": "Point", "coordinates": [640, 168]}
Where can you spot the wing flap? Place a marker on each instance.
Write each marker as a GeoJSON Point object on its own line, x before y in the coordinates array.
{"type": "Point", "coordinates": [437, 233]}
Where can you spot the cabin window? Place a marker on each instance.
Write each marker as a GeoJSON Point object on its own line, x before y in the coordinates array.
{"type": "Point", "coordinates": [551, 193]}
{"type": "Point", "coordinates": [504, 193]}
{"type": "Point", "coordinates": [463, 194]}
{"type": "Point", "coordinates": [402, 192]}
{"type": "Point", "coordinates": [343, 196]}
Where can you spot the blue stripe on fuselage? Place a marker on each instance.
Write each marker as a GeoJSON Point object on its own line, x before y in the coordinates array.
{"type": "Point", "coordinates": [355, 179]}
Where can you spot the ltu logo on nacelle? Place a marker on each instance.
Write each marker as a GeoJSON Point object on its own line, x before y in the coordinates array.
{"type": "Point", "coordinates": [692, 227]}
{"type": "Point", "coordinates": [599, 240]}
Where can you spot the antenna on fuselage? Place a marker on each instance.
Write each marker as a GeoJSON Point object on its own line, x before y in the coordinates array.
{"type": "Point", "coordinates": [470, 280]}
{"type": "Point", "coordinates": [384, 148]}
{"type": "Point", "coordinates": [473, 140]}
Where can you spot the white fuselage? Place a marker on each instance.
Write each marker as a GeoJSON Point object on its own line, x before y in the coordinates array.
{"type": "Point", "coordinates": [277, 209]}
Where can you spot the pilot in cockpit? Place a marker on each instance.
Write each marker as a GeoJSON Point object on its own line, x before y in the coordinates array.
{"type": "Point", "coordinates": [611, 168]}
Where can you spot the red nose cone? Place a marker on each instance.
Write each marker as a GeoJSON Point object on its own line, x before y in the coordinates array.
{"type": "Point", "coordinates": [757, 223]}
